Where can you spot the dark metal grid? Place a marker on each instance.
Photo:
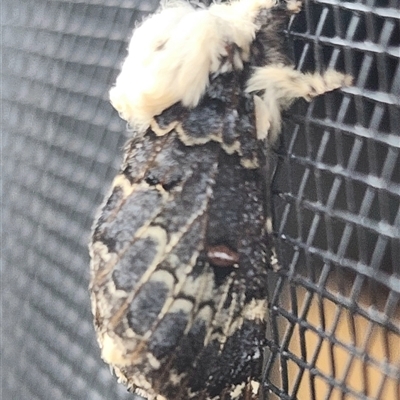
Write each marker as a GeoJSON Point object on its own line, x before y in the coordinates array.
{"type": "Point", "coordinates": [337, 214]}
{"type": "Point", "coordinates": [336, 199]}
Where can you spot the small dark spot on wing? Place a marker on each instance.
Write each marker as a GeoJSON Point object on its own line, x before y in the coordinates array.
{"type": "Point", "coordinates": [166, 185]}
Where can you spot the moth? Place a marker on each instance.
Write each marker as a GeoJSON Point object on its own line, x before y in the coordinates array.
{"type": "Point", "coordinates": [180, 253]}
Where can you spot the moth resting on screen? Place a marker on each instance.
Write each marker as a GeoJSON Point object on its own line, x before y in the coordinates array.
{"type": "Point", "coordinates": [180, 252]}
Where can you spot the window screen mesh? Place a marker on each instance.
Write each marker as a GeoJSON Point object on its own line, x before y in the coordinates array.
{"type": "Point", "coordinates": [335, 312]}
{"type": "Point", "coordinates": [334, 329]}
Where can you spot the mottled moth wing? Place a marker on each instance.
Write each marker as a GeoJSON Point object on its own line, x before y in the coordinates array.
{"type": "Point", "coordinates": [180, 251]}
{"type": "Point", "coordinates": [179, 254]}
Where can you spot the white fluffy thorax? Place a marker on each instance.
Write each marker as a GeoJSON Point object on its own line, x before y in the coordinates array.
{"type": "Point", "coordinates": [172, 54]}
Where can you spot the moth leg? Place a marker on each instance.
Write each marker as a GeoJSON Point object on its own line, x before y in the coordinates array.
{"type": "Point", "coordinates": [282, 84]}
{"type": "Point", "coordinates": [286, 83]}
{"type": "Point", "coordinates": [293, 6]}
